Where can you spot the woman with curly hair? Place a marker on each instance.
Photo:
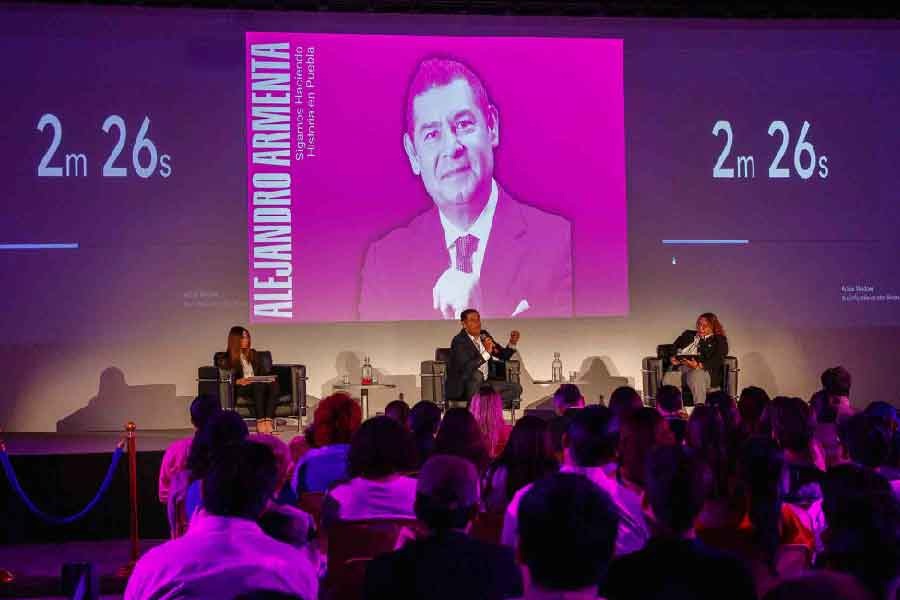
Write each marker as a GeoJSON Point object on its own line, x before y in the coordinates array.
{"type": "Point", "coordinates": [701, 355]}
{"type": "Point", "coordinates": [336, 419]}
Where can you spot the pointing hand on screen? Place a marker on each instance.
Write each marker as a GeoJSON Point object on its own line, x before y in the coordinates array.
{"type": "Point", "coordinates": [454, 292]}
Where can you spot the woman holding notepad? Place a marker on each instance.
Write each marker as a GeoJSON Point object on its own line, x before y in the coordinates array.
{"type": "Point", "coordinates": [251, 378]}
{"type": "Point", "coordinates": [701, 355]}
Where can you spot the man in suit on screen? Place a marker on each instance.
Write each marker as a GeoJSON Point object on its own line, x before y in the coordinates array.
{"type": "Point", "coordinates": [477, 246]}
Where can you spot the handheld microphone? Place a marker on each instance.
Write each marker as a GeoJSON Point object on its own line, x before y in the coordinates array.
{"type": "Point", "coordinates": [484, 335]}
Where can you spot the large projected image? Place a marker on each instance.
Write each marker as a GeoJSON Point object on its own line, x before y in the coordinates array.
{"type": "Point", "coordinates": [409, 178]}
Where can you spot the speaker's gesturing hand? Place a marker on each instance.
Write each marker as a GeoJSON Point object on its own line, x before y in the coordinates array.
{"type": "Point", "coordinates": [453, 292]}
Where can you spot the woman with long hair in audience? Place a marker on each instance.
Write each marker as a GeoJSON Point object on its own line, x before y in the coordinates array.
{"type": "Point", "coordinates": [793, 426]}
{"type": "Point", "coordinates": [336, 419]}
{"type": "Point", "coordinates": [759, 523]}
{"type": "Point", "coordinates": [424, 420]}
{"type": "Point", "coordinates": [244, 362]}
{"type": "Point", "coordinates": [863, 516]}
{"type": "Point", "coordinates": [726, 406]}
{"type": "Point", "coordinates": [382, 455]}
{"type": "Point", "coordinates": [623, 401]}
{"type": "Point", "coordinates": [459, 435]}
{"type": "Point", "coordinates": [751, 405]}
{"type": "Point", "coordinates": [792, 423]}
{"type": "Point", "coordinates": [487, 408]}
{"type": "Point", "coordinates": [707, 440]}
{"type": "Point", "coordinates": [527, 457]}
{"type": "Point", "coordinates": [642, 430]}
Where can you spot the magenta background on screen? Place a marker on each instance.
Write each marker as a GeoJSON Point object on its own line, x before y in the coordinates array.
{"type": "Point", "coordinates": [562, 150]}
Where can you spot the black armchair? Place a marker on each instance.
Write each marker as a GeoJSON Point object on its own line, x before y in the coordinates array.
{"type": "Point", "coordinates": [433, 374]}
{"type": "Point", "coordinates": [653, 368]}
{"type": "Point", "coordinates": [290, 403]}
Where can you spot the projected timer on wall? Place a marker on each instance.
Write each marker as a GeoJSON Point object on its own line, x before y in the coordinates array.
{"type": "Point", "coordinates": [146, 159]}
{"type": "Point", "coordinates": [806, 164]}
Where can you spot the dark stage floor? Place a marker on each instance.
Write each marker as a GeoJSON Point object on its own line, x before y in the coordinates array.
{"type": "Point", "coordinates": [100, 442]}
{"type": "Point", "coordinates": [88, 443]}
{"type": "Point", "coordinates": [37, 567]}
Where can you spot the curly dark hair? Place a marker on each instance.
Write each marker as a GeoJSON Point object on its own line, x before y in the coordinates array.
{"type": "Point", "coordinates": [714, 323]}
{"type": "Point", "coordinates": [336, 419]}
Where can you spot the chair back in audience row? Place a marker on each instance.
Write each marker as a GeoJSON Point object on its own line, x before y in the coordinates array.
{"type": "Point", "coordinates": [352, 544]}
{"type": "Point", "coordinates": [311, 503]}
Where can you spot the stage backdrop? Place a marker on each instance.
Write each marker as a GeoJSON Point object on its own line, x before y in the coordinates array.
{"type": "Point", "coordinates": [361, 218]}
{"type": "Point", "coordinates": [656, 170]}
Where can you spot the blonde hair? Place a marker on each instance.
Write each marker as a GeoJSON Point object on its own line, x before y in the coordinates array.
{"type": "Point", "coordinates": [487, 408]}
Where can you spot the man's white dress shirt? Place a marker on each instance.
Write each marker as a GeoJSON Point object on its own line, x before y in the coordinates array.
{"type": "Point", "coordinates": [481, 229]}
{"type": "Point", "coordinates": [221, 557]}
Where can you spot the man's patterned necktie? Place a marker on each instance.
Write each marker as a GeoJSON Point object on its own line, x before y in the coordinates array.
{"type": "Point", "coordinates": [466, 246]}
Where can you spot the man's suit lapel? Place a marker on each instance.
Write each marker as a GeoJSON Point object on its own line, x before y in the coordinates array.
{"type": "Point", "coordinates": [430, 244]}
{"type": "Point", "coordinates": [428, 253]}
{"type": "Point", "coordinates": [503, 259]}
{"type": "Point", "coordinates": [471, 343]}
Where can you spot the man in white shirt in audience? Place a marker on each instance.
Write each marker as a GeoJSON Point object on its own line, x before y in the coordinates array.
{"type": "Point", "coordinates": [225, 553]}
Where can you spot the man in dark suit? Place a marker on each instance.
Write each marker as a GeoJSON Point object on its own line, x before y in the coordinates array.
{"type": "Point", "coordinates": [477, 245]}
{"type": "Point", "coordinates": [447, 564]}
{"type": "Point", "coordinates": [475, 358]}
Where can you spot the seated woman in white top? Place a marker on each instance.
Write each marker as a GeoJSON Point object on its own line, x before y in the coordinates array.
{"type": "Point", "coordinates": [381, 451]}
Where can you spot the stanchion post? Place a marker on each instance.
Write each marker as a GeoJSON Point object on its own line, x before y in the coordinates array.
{"type": "Point", "coordinates": [131, 443]}
{"type": "Point", "coordinates": [6, 576]}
